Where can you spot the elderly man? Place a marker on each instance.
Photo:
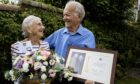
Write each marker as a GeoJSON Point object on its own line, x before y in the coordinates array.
{"type": "Point", "coordinates": [73, 34]}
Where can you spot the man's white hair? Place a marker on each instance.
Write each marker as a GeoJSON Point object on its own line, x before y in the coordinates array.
{"type": "Point", "coordinates": [27, 22]}
{"type": "Point", "coordinates": [79, 8]}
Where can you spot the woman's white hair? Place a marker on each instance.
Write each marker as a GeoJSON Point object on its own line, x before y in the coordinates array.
{"type": "Point", "coordinates": [27, 22]}
{"type": "Point", "coordinates": [79, 8]}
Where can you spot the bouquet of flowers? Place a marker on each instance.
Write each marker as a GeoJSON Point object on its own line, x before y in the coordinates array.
{"type": "Point", "coordinates": [40, 64]}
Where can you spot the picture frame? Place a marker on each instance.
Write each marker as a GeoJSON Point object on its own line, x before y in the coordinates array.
{"type": "Point", "coordinates": [97, 65]}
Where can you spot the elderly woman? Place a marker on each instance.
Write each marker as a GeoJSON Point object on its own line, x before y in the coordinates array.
{"type": "Point", "coordinates": [32, 28]}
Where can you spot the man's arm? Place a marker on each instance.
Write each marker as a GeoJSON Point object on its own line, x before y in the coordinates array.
{"type": "Point", "coordinates": [90, 41]}
{"type": "Point", "coordinates": [51, 40]}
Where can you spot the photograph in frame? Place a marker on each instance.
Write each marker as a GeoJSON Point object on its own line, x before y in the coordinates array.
{"type": "Point", "coordinates": [77, 59]}
{"type": "Point", "coordinates": [92, 64]}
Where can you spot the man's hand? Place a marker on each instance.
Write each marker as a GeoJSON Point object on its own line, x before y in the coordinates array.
{"type": "Point", "coordinates": [89, 82]}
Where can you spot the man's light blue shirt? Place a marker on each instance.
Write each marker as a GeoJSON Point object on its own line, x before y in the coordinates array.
{"type": "Point", "coordinates": [61, 39]}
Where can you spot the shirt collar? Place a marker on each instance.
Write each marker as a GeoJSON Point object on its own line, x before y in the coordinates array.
{"type": "Point", "coordinates": [79, 30]}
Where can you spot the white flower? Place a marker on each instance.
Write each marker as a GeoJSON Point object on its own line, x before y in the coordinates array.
{"type": "Point", "coordinates": [31, 75]}
{"type": "Point", "coordinates": [13, 78]}
{"type": "Point", "coordinates": [70, 78]}
{"type": "Point", "coordinates": [66, 75]}
{"type": "Point", "coordinates": [43, 58]}
{"type": "Point", "coordinates": [39, 58]}
{"type": "Point", "coordinates": [52, 62]}
{"type": "Point", "coordinates": [7, 75]}
{"type": "Point", "coordinates": [45, 63]}
{"type": "Point", "coordinates": [57, 58]}
{"type": "Point", "coordinates": [43, 68]}
{"type": "Point", "coordinates": [11, 72]}
{"type": "Point", "coordinates": [43, 76]}
{"type": "Point", "coordinates": [25, 67]}
{"type": "Point", "coordinates": [37, 65]}
{"type": "Point", "coordinates": [52, 73]}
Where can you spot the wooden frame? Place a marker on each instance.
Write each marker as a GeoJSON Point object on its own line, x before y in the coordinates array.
{"type": "Point", "coordinates": [92, 64]}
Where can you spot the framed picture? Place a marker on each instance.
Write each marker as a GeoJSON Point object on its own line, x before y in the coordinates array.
{"type": "Point", "coordinates": [92, 64]}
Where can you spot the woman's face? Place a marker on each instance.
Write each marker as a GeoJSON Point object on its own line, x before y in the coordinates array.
{"type": "Point", "coordinates": [37, 29]}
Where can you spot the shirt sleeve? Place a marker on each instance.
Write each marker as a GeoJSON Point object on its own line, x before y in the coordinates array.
{"type": "Point", "coordinates": [51, 40]}
{"type": "Point", "coordinates": [45, 45]}
{"type": "Point", "coordinates": [90, 41]}
{"type": "Point", "coordinates": [15, 51]}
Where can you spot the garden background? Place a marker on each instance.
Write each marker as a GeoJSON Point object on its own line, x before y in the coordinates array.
{"type": "Point", "coordinates": [111, 21]}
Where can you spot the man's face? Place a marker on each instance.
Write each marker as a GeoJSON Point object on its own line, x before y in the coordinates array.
{"type": "Point", "coordinates": [70, 17]}
{"type": "Point", "coordinates": [37, 29]}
